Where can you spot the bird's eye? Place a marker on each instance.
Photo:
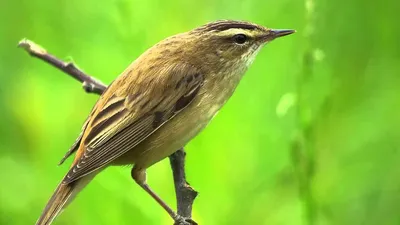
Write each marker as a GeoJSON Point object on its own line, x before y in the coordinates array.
{"type": "Point", "coordinates": [239, 38]}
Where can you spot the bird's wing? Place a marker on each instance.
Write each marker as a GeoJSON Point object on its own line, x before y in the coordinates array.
{"type": "Point", "coordinates": [125, 119]}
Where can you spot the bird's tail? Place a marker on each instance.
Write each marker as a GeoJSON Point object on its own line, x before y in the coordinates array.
{"type": "Point", "coordinates": [62, 196]}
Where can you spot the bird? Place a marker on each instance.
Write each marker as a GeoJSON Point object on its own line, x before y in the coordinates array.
{"type": "Point", "coordinates": [161, 101]}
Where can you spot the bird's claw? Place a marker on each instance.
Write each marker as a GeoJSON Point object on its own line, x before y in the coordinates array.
{"type": "Point", "coordinates": [180, 220]}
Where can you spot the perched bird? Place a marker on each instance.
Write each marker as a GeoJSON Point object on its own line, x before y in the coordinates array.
{"type": "Point", "coordinates": [159, 103]}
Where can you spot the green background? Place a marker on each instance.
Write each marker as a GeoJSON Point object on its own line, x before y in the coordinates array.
{"type": "Point", "coordinates": [311, 136]}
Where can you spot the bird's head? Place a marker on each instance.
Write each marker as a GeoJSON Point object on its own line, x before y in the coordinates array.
{"type": "Point", "coordinates": [231, 42]}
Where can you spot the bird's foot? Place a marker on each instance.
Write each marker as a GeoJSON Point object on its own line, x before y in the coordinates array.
{"type": "Point", "coordinates": [180, 220]}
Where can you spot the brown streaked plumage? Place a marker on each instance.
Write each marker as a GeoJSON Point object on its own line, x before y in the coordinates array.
{"type": "Point", "coordinates": [159, 103]}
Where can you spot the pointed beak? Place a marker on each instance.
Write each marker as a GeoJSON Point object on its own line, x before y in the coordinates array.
{"type": "Point", "coordinates": [281, 33]}
{"type": "Point", "coordinates": [275, 33]}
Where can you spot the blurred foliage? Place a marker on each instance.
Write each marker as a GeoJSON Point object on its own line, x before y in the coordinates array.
{"type": "Point", "coordinates": [311, 136]}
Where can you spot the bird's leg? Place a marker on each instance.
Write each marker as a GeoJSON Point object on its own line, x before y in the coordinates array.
{"type": "Point", "coordinates": [139, 175]}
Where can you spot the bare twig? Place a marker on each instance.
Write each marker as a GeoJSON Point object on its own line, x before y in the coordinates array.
{"type": "Point", "coordinates": [90, 84]}
{"type": "Point", "coordinates": [185, 195]}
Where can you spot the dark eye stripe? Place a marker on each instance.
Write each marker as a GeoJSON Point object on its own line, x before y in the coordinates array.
{"type": "Point", "coordinates": [228, 24]}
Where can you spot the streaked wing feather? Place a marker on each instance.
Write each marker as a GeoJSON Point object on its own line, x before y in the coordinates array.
{"type": "Point", "coordinates": [119, 132]}
{"type": "Point", "coordinates": [115, 147]}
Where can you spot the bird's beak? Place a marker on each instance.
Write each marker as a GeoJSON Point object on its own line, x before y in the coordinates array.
{"type": "Point", "coordinates": [275, 33]}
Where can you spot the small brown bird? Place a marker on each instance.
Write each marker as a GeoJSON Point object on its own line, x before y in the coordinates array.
{"type": "Point", "coordinates": [159, 103]}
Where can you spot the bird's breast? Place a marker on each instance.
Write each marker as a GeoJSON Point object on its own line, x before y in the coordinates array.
{"type": "Point", "coordinates": [178, 131]}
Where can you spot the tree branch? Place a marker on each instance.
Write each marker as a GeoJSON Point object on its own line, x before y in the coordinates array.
{"type": "Point", "coordinates": [185, 195]}
{"type": "Point", "coordinates": [90, 84]}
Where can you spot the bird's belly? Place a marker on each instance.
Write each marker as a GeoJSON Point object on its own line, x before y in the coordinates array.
{"type": "Point", "coordinates": [177, 132]}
